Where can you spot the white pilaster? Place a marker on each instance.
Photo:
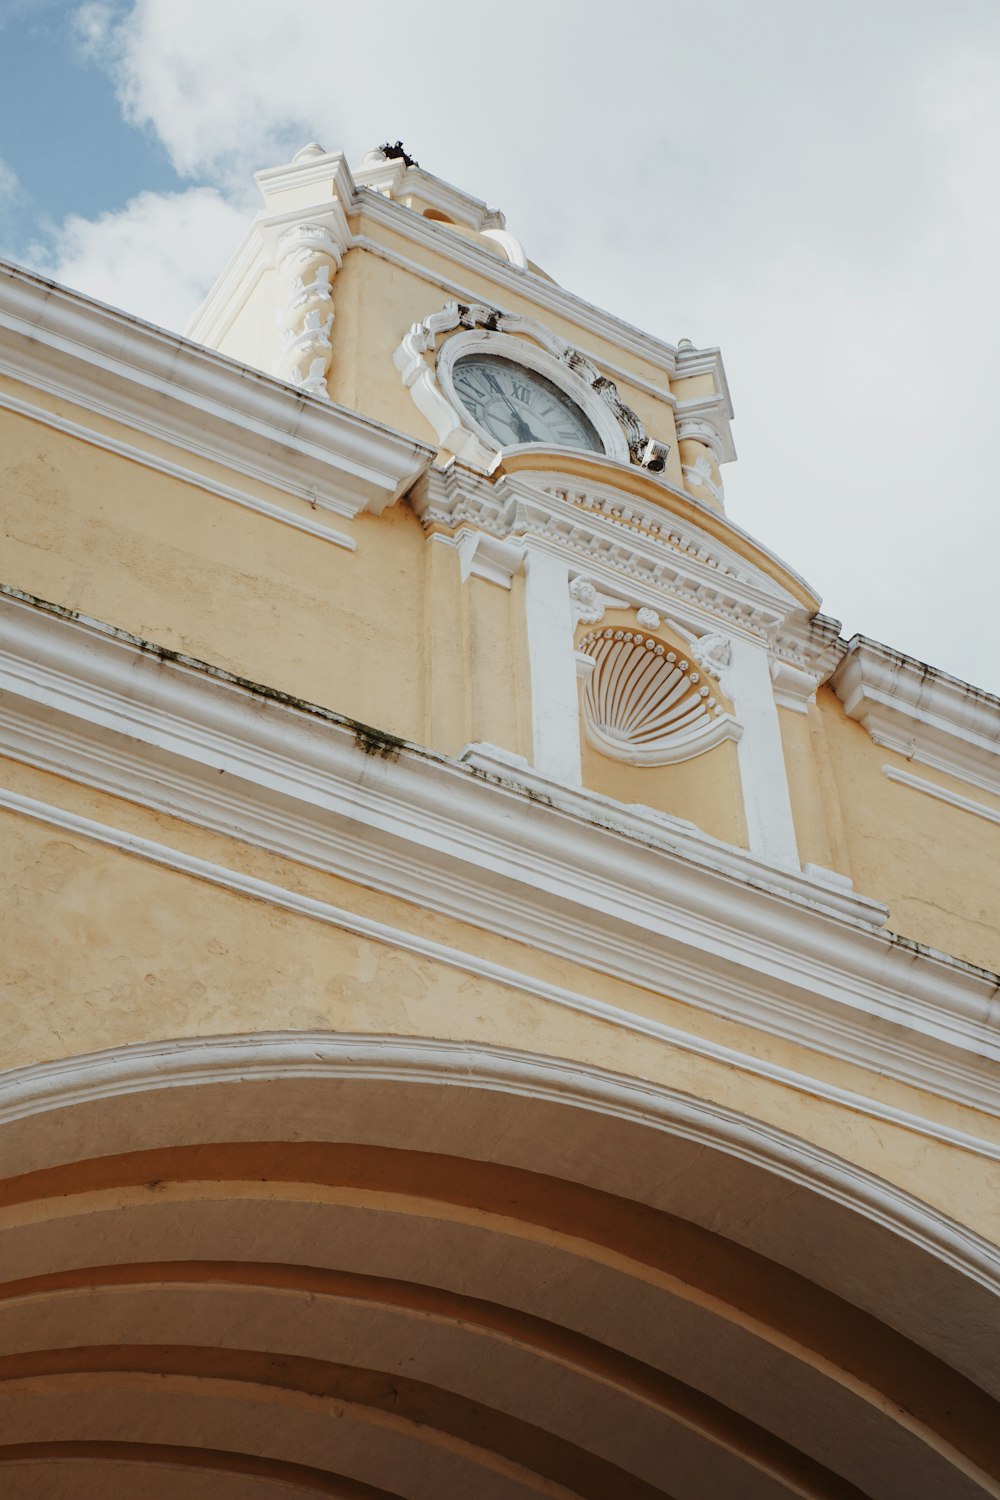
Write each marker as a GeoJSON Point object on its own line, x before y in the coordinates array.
{"type": "Point", "coordinates": [555, 702]}
{"type": "Point", "coordinates": [766, 800]}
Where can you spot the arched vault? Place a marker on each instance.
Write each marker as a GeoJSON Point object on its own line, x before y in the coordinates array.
{"type": "Point", "coordinates": [366, 1267]}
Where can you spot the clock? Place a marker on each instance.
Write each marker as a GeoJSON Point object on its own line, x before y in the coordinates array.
{"type": "Point", "coordinates": [513, 404]}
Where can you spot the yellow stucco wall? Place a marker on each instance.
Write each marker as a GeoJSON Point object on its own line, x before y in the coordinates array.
{"type": "Point", "coordinates": [934, 864]}
{"type": "Point", "coordinates": [389, 635]}
{"type": "Point", "coordinates": [385, 634]}
{"type": "Point", "coordinates": [377, 302]}
{"type": "Point", "coordinates": [134, 952]}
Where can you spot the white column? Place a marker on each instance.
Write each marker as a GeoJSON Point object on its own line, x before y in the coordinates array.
{"type": "Point", "coordinates": [555, 701]}
{"type": "Point", "coordinates": [766, 800]}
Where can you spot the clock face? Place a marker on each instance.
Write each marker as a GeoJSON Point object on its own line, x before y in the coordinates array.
{"type": "Point", "coordinates": [517, 405]}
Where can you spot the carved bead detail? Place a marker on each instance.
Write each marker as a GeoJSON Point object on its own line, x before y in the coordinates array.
{"type": "Point", "coordinates": [643, 705]}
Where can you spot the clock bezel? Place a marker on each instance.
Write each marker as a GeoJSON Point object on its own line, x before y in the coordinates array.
{"type": "Point", "coordinates": [533, 358]}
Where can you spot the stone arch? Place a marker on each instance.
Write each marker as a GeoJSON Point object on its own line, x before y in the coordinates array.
{"type": "Point", "coordinates": [499, 1271]}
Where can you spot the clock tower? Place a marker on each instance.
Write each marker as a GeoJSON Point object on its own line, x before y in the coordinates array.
{"type": "Point", "coordinates": [500, 996]}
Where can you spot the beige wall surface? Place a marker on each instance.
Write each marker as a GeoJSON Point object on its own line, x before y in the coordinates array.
{"type": "Point", "coordinates": [377, 302]}
{"type": "Point", "coordinates": [385, 634]}
{"type": "Point", "coordinates": [390, 636]}
{"type": "Point", "coordinates": [934, 864]}
{"type": "Point", "coordinates": [105, 949]}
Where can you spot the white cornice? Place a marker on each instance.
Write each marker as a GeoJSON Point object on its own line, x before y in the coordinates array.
{"type": "Point", "coordinates": [547, 295]}
{"type": "Point", "coordinates": [805, 650]}
{"type": "Point", "coordinates": [395, 180]}
{"type": "Point", "coordinates": [166, 387]}
{"type": "Point", "coordinates": [311, 523]}
{"type": "Point", "coordinates": [921, 713]}
{"type": "Point", "coordinates": [612, 535]}
{"type": "Point", "coordinates": [620, 890]}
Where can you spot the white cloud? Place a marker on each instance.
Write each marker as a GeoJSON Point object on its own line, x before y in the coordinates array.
{"type": "Point", "coordinates": [813, 187]}
{"type": "Point", "coordinates": [93, 26]}
{"type": "Point", "coordinates": [9, 184]}
{"type": "Point", "coordinates": [156, 257]}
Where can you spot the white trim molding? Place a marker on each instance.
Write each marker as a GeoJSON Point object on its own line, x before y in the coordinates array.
{"type": "Point", "coordinates": [628, 546]}
{"type": "Point", "coordinates": [931, 789]}
{"type": "Point", "coordinates": [487, 840]}
{"type": "Point", "coordinates": [308, 257]}
{"type": "Point", "coordinates": [162, 386]}
{"type": "Point", "coordinates": [478, 328]}
{"type": "Point", "coordinates": [284, 1057]}
{"type": "Point", "coordinates": [921, 713]}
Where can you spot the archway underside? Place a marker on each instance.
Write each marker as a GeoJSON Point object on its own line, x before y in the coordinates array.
{"type": "Point", "coordinates": [256, 1317]}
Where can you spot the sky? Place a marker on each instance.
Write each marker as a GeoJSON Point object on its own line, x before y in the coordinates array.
{"type": "Point", "coordinates": [810, 186]}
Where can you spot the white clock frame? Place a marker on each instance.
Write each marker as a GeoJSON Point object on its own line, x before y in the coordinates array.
{"type": "Point", "coordinates": [542, 362]}
{"type": "Point", "coordinates": [485, 330]}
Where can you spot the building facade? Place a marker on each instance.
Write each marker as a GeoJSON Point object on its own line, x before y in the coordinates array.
{"type": "Point", "coordinates": [500, 996]}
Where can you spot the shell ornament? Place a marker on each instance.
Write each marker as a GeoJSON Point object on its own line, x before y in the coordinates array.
{"type": "Point", "coordinates": [645, 705]}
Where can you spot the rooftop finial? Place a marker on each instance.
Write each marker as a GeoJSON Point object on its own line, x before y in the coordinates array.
{"type": "Point", "coordinates": [308, 151]}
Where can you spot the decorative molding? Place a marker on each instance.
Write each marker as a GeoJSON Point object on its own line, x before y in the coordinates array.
{"type": "Point", "coordinates": [149, 460]}
{"type": "Point", "coordinates": [486, 557]}
{"type": "Point", "coordinates": [152, 1067]}
{"type": "Point", "coordinates": [805, 651]}
{"type": "Point", "coordinates": [794, 688]}
{"type": "Point", "coordinates": [308, 258]}
{"type": "Point", "coordinates": [678, 571]}
{"type": "Point", "coordinates": [588, 604]}
{"type": "Point", "coordinates": [486, 329]}
{"type": "Point", "coordinates": [699, 476]}
{"type": "Point", "coordinates": [177, 392]}
{"type": "Point", "coordinates": [714, 654]}
{"type": "Point", "coordinates": [918, 784]}
{"type": "Point", "coordinates": [648, 618]}
{"type": "Point", "coordinates": [622, 890]}
{"type": "Point", "coordinates": [705, 421]}
{"type": "Point", "coordinates": [921, 713]}
{"type": "Point", "coordinates": [644, 706]}
{"type": "Point", "coordinates": [29, 1089]}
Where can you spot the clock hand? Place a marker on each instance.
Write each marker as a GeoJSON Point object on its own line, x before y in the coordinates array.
{"type": "Point", "coordinates": [522, 431]}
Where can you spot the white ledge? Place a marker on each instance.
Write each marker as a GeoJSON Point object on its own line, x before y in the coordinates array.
{"type": "Point", "coordinates": [617, 889]}
{"type": "Point", "coordinates": [164, 386]}
{"type": "Point", "coordinates": [921, 713]}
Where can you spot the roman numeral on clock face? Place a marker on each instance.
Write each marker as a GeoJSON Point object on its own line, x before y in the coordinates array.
{"type": "Point", "coordinates": [516, 405]}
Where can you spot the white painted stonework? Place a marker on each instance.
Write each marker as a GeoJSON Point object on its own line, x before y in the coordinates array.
{"type": "Point", "coordinates": [479, 329]}
{"type": "Point", "coordinates": [624, 890]}
{"type": "Point", "coordinates": [923, 714]}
